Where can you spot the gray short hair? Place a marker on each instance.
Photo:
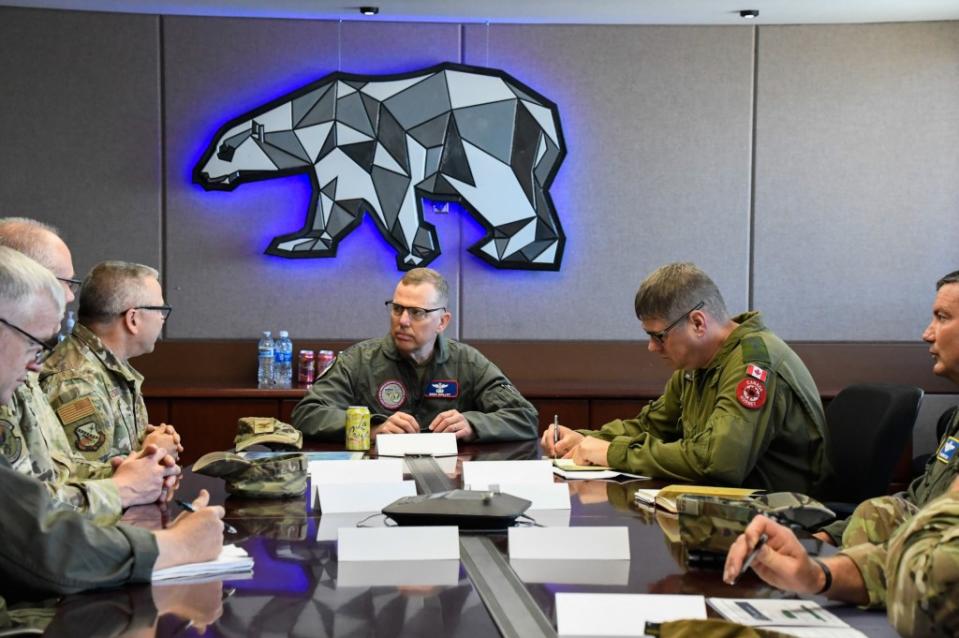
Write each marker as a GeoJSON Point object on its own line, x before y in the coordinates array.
{"type": "Point", "coordinates": [111, 288]}
{"type": "Point", "coordinates": [22, 279]}
{"type": "Point", "coordinates": [951, 278]}
{"type": "Point", "coordinates": [27, 236]}
{"type": "Point", "coordinates": [674, 289]}
{"type": "Point", "coordinates": [419, 276]}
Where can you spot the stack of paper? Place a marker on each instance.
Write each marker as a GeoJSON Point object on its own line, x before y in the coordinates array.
{"type": "Point", "coordinates": [791, 617]}
{"type": "Point", "coordinates": [666, 497]}
{"type": "Point", "coordinates": [232, 560]}
{"type": "Point", "coordinates": [567, 469]}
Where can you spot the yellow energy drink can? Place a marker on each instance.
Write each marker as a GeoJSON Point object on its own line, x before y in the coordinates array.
{"type": "Point", "coordinates": [357, 427]}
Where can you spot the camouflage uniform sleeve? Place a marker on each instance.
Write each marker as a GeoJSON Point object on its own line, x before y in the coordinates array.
{"type": "Point", "coordinates": [84, 408]}
{"type": "Point", "coordinates": [659, 418]}
{"type": "Point", "coordinates": [500, 412]}
{"type": "Point", "coordinates": [923, 569]}
{"type": "Point", "coordinates": [870, 560]}
{"type": "Point", "coordinates": [97, 500]}
{"type": "Point", "coordinates": [322, 412]}
{"type": "Point", "coordinates": [722, 451]}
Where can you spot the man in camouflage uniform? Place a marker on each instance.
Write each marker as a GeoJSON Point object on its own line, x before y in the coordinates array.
{"type": "Point", "coordinates": [415, 379]}
{"type": "Point", "coordinates": [31, 438]}
{"type": "Point", "coordinates": [44, 550]}
{"type": "Point", "coordinates": [88, 379]}
{"type": "Point", "coordinates": [741, 409]}
{"type": "Point", "coordinates": [875, 520]}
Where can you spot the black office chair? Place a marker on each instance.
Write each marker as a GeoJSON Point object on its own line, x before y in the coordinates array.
{"type": "Point", "coordinates": [869, 424]}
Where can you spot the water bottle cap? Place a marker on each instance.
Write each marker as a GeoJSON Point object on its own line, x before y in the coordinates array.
{"type": "Point", "coordinates": [284, 334]}
{"type": "Point", "coordinates": [267, 333]}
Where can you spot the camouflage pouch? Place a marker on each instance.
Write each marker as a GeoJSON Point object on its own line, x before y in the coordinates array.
{"type": "Point", "coordinates": [707, 629]}
{"type": "Point", "coordinates": [261, 430]}
{"type": "Point", "coordinates": [711, 523]}
{"type": "Point", "coordinates": [282, 476]}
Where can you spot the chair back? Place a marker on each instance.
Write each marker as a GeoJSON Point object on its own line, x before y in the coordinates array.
{"type": "Point", "coordinates": [869, 426]}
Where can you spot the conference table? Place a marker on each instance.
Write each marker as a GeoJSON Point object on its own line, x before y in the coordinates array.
{"type": "Point", "coordinates": [298, 588]}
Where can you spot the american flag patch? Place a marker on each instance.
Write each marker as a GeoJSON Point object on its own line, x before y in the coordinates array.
{"type": "Point", "coordinates": [76, 410]}
{"type": "Point", "coordinates": [756, 372]}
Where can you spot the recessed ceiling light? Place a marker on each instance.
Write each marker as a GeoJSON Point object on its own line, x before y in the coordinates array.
{"type": "Point", "coordinates": [372, 11]}
{"type": "Point", "coordinates": [749, 14]}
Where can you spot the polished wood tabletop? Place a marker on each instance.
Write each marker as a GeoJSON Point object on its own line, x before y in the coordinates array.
{"type": "Point", "coordinates": [298, 588]}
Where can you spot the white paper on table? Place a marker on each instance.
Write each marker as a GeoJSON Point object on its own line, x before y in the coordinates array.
{"type": "Point", "coordinates": [590, 543]}
{"type": "Point", "coordinates": [543, 496]}
{"type": "Point", "coordinates": [337, 498]}
{"type": "Point", "coordinates": [397, 573]}
{"type": "Point", "coordinates": [366, 471]}
{"type": "Point", "coordinates": [330, 524]}
{"type": "Point", "coordinates": [768, 612]}
{"type": "Point", "coordinates": [439, 542]}
{"type": "Point", "coordinates": [232, 559]}
{"type": "Point", "coordinates": [432, 443]}
{"type": "Point", "coordinates": [479, 475]}
{"type": "Point", "coordinates": [572, 572]}
{"type": "Point", "coordinates": [585, 474]}
{"type": "Point", "coordinates": [621, 614]}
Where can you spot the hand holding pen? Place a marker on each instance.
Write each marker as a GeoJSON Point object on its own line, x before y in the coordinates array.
{"type": "Point", "coordinates": [555, 434]}
{"type": "Point", "coordinates": [229, 529]}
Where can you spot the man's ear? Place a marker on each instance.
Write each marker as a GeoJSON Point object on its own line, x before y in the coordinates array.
{"type": "Point", "coordinates": [130, 321]}
{"type": "Point", "coordinates": [700, 321]}
{"type": "Point", "coordinates": [445, 320]}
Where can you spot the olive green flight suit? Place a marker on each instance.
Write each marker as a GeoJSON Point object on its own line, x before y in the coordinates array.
{"type": "Point", "coordinates": [374, 374]}
{"type": "Point", "coordinates": [97, 397]}
{"type": "Point", "coordinates": [33, 443]}
{"type": "Point", "coordinates": [701, 431]}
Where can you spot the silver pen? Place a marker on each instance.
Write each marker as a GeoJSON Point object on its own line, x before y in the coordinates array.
{"type": "Point", "coordinates": [555, 434]}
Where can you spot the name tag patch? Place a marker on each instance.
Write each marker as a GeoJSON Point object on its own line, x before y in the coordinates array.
{"type": "Point", "coordinates": [948, 449]}
{"type": "Point", "coordinates": [443, 389]}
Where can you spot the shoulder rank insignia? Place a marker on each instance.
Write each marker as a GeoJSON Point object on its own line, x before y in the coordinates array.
{"type": "Point", "coordinates": [948, 449]}
{"type": "Point", "coordinates": [751, 393]}
{"type": "Point", "coordinates": [76, 410]}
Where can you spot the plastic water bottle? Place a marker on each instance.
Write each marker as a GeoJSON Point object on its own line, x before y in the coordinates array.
{"type": "Point", "coordinates": [68, 324]}
{"type": "Point", "coordinates": [264, 370]}
{"type": "Point", "coordinates": [283, 361]}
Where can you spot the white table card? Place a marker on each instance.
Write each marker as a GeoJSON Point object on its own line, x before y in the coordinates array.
{"type": "Point", "coordinates": [441, 444]}
{"type": "Point", "coordinates": [397, 573]}
{"type": "Point", "coordinates": [589, 543]}
{"type": "Point", "coordinates": [398, 543]}
{"type": "Point", "coordinates": [479, 475]}
{"type": "Point", "coordinates": [330, 524]}
{"type": "Point", "coordinates": [543, 496]}
{"type": "Point", "coordinates": [366, 471]}
{"type": "Point", "coordinates": [572, 572]}
{"type": "Point", "coordinates": [361, 497]}
{"type": "Point", "coordinates": [621, 614]}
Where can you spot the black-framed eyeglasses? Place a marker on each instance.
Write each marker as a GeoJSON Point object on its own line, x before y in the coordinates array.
{"type": "Point", "coordinates": [660, 336]}
{"type": "Point", "coordinates": [45, 347]}
{"type": "Point", "coordinates": [72, 284]}
{"type": "Point", "coordinates": [416, 314]}
{"type": "Point", "coordinates": [163, 310]}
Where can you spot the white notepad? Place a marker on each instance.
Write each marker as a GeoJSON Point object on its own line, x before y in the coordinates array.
{"type": "Point", "coordinates": [232, 560]}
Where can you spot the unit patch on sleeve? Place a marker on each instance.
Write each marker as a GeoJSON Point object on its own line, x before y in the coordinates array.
{"type": "Point", "coordinates": [391, 394]}
{"type": "Point", "coordinates": [947, 450]}
{"type": "Point", "coordinates": [751, 393]}
{"type": "Point", "coordinates": [10, 444]}
{"type": "Point", "coordinates": [76, 410]}
{"type": "Point", "coordinates": [443, 389]}
{"type": "Point", "coordinates": [89, 438]}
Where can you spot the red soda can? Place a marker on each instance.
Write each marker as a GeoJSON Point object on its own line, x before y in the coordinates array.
{"type": "Point", "coordinates": [306, 367]}
{"type": "Point", "coordinates": [324, 359]}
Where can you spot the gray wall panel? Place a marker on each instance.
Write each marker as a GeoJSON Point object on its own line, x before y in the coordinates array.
{"type": "Point", "coordinates": [657, 125]}
{"type": "Point", "coordinates": [217, 69]}
{"type": "Point", "coordinates": [81, 129]}
{"type": "Point", "coordinates": [856, 166]}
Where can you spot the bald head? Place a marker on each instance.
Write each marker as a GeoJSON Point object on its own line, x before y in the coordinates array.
{"type": "Point", "coordinates": [41, 242]}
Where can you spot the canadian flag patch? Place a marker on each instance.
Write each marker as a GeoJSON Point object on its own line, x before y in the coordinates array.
{"type": "Point", "coordinates": [756, 372]}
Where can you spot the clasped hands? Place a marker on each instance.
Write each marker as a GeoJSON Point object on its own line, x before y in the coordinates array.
{"type": "Point", "coordinates": [451, 421]}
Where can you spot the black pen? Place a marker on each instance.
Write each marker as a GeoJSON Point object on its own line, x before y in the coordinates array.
{"type": "Point", "coordinates": [229, 529]}
{"type": "Point", "coordinates": [752, 555]}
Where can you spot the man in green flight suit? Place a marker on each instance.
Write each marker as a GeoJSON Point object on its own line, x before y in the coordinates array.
{"type": "Point", "coordinates": [741, 409]}
{"type": "Point", "coordinates": [416, 380]}
{"type": "Point", "coordinates": [89, 380]}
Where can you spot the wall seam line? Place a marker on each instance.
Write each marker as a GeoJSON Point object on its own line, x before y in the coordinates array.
{"type": "Point", "coordinates": [751, 266]}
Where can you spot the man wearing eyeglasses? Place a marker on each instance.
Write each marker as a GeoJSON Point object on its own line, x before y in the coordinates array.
{"type": "Point", "coordinates": [416, 380]}
{"type": "Point", "coordinates": [741, 409]}
{"type": "Point", "coordinates": [88, 379]}
{"type": "Point", "coordinates": [32, 439]}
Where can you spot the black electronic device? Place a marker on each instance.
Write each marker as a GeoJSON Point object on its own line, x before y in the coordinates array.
{"type": "Point", "coordinates": [467, 509]}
